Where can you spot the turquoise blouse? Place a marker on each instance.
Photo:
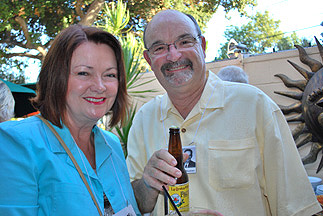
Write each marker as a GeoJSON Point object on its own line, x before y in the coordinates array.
{"type": "Point", "coordinates": [37, 176]}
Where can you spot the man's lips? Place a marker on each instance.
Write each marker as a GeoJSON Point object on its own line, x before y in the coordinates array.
{"type": "Point", "coordinates": [95, 100]}
{"type": "Point", "coordinates": [176, 68]}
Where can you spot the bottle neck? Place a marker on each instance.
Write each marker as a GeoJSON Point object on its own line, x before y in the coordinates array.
{"type": "Point", "coordinates": [175, 148]}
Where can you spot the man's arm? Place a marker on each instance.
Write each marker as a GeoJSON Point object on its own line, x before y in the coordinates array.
{"type": "Point", "coordinates": [146, 196]}
{"type": "Point", "coordinates": [160, 170]}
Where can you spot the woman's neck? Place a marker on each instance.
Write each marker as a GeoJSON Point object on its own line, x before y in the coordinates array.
{"type": "Point", "coordinates": [84, 138]}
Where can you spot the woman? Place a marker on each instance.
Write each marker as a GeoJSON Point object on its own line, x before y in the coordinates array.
{"type": "Point", "coordinates": [81, 80]}
{"type": "Point", "coordinates": [7, 103]}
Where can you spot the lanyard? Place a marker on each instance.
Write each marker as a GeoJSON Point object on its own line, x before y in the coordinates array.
{"type": "Point", "coordinates": [74, 162]}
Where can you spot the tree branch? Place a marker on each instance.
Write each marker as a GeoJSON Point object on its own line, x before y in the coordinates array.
{"type": "Point", "coordinates": [92, 13]}
{"type": "Point", "coordinates": [10, 55]}
{"type": "Point", "coordinates": [24, 28]}
{"type": "Point", "coordinates": [42, 52]}
{"type": "Point", "coordinates": [78, 9]}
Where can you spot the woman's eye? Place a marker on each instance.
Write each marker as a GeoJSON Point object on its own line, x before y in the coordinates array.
{"type": "Point", "coordinates": [111, 75]}
{"type": "Point", "coordinates": [82, 73]}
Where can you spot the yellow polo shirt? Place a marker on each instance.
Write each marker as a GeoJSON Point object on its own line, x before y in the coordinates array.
{"type": "Point", "coordinates": [246, 159]}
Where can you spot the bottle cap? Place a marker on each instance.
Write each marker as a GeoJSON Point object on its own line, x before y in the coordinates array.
{"type": "Point", "coordinates": [174, 129]}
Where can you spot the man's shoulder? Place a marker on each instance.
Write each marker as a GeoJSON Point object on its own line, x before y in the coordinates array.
{"type": "Point", "coordinates": [28, 124]}
{"type": "Point", "coordinates": [152, 104]}
{"type": "Point", "coordinates": [242, 89]}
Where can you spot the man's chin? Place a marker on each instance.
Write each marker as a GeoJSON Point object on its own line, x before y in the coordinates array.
{"type": "Point", "coordinates": [179, 79]}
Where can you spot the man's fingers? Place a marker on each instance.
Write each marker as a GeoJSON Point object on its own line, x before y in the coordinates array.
{"type": "Point", "coordinates": [160, 170]}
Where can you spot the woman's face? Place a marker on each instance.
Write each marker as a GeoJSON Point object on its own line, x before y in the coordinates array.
{"type": "Point", "coordinates": [92, 84]}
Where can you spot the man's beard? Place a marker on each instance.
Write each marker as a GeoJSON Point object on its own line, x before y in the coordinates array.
{"type": "Point", "coordinates": [178, 78]}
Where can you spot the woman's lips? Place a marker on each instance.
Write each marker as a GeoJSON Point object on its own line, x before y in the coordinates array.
{"type": "Point", "coordinates": [94, 100]}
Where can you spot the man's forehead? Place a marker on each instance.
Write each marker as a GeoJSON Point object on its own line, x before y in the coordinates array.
{"type": "Point", "coordinates": [171, 25]}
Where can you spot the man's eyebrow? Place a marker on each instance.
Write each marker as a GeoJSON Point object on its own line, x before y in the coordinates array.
{"type": "Point", "coordinates": [179, 37]}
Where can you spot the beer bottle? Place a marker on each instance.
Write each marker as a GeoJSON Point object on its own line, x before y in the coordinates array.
{"type": "Point", "coordinates": [180, 191]}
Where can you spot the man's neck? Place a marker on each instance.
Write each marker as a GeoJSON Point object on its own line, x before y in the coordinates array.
{"type": "Point", "coordinates": [185, 102]}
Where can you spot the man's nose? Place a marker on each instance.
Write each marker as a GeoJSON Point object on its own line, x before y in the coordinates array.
{"type": "Point", "coordinates": [173, 54]}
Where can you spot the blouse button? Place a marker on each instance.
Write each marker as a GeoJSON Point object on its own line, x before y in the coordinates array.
{"type": "Point", "coordinates": [112, 193]}
{"type": "Point", "coordinates": [183, 130]}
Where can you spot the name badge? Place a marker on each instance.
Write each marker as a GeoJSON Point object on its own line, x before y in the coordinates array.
{"type": "Point", "coordinates": [190, 163]}
{"type": "Point", "coordinates": [127, 211]}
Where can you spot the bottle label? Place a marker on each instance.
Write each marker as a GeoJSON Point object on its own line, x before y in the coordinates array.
{"type": "Point", "coordinates": [180, 196]}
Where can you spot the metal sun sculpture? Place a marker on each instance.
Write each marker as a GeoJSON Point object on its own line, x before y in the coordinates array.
{"type": "Point", "coordinates": [308, 111]}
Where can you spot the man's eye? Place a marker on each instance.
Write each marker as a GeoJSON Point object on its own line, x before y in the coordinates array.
{"type": "Point", "coordinates": [159, 48]}
{"type": "Point", "coordinates": [185, 42]}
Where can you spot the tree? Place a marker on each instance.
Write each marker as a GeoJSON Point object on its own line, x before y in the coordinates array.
{"type": "Point", "coordinates": [288, 42]}
{"type": "Point", "coordinates": [259, 34]}
{"type": "Point", "coordinates": [142, 12]}
{"type": "Point", "coordinates": [27, 27]}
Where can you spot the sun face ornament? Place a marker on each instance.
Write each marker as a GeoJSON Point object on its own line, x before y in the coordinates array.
{"type": "Point", "coordinates": [308, 110]}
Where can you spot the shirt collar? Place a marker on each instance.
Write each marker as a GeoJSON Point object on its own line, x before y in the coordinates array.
{"type": "Point", "coordinates": [213, 81]}
{"type": "Point", "coordinates": [102, 148]}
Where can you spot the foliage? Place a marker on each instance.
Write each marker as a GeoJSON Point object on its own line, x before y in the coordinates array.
{"type": "Point", "coordinates": [27, 27]}
{"type": "Point", "coordinates": [123, 131]}
{"type": "Point", "coordinates": [287, 43]}
{"type": "Point", "coordinates": [115, 18]}
{"type": "Point", "coordinates": [260, 34]}
{"type": "Point", "coordinates": [142, 12]}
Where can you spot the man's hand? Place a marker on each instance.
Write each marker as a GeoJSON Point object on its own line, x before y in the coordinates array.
{"type": "Point", "coordinates": [160, 170]}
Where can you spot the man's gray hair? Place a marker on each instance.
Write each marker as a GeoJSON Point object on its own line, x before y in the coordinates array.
{"type": "Point", "coordinates": [7, 103]}
{"type": "Point", "coordinates": [233, 74]}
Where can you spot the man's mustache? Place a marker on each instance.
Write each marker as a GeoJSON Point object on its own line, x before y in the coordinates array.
{"type": "Point", "coordinates": [170, 65]}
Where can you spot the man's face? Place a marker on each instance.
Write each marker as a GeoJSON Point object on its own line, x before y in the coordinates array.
{"type": "Point", "coordinates": [184, 68]}
{"type": "Point", "coordinates": [189, 155]}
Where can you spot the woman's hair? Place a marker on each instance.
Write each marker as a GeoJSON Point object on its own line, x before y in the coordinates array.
{"type": "Point", "coordinates": [7, 103]}
{"type": "Point", "coordinates": [55, 71]}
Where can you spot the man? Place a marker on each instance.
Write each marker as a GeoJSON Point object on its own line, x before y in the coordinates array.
{"type": "Point", "coordinates": [189, 163]}
{"type": "Point", "coordinates": [233, 74]}
{"type": "Point", "coordinates": [7, 103]}
{"type": "Point", "coordinates": [246, 159]}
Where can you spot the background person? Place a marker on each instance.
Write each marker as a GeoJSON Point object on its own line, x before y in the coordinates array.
{"type": "Point", "coordinates": [246, 159]}
{"type": "Point", "coordinates": [233, 74]}
{"type": "Point", "coordinates": [81, 80]}
{"type": "Point", "coordinates": [7, 103]}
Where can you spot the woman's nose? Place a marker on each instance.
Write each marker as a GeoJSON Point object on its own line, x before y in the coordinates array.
{"type": "Point", "coordinates": [98, 85]}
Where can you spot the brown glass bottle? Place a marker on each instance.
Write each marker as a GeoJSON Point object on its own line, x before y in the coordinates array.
{"type": "Point", "coordinates": [180, 191]}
